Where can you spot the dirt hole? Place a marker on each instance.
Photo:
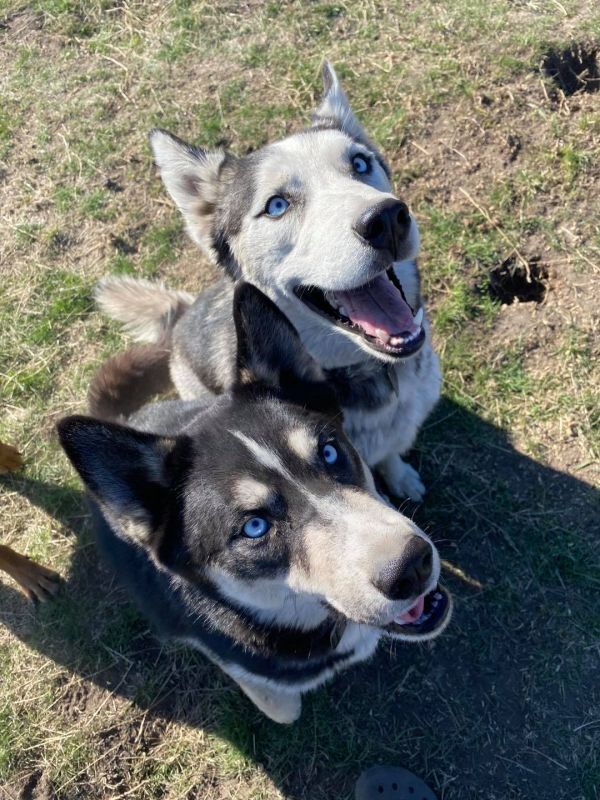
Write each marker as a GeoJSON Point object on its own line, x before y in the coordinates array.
{"type": "Point", "coordinates": [60, 242]}
{"type": "Point", "coordinates": [575, 69]}
{"type": "Point", "coordinates": [512, 281]}
{"type": "Point", "coordinates": [113, 186]}
{"type": "Point", "coordinates": [122, 245]}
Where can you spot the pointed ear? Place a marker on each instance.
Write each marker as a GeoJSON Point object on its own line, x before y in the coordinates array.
{"type": "Point", "coordinates": [335, 112]}
{"type": "Point", "coordinates": [125, 471]}
{"type": "Point", "coordinates": [271, 356]}
{"type": "Point", "coordinates": [195, 179]}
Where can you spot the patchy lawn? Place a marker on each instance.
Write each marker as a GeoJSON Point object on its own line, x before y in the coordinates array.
{"type": "Point", "coordinates": [490, 115]}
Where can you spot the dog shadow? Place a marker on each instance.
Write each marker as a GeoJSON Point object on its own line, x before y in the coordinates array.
{"type": "Point", "coordinates": [512, 533]}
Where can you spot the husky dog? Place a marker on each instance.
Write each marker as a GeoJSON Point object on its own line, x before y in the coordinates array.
{"type": "Point", "coordinates": [246, 525]}
{"type": "Point", "coordinates": [313, 222]}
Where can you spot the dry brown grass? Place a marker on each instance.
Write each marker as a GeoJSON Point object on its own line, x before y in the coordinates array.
{"type": "Point", "coordinates": [498, 164]}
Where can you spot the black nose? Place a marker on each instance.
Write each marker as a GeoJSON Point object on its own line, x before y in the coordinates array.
{"type": "Point", "coordinates": [407, 576]}
{"type": "Point", "coordinates": [385, 225]}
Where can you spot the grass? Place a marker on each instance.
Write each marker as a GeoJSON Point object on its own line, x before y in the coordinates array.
{"type": "Point", "coordinates": [497, 165]}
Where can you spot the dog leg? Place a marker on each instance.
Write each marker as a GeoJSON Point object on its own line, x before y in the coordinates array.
{"type": "Point", "coordinates": [401, 479]}
{"type": "Point", "coordinates": [37, 582]}
{"type": "Point", "coordinates": [281, 707]}
{"type": "Point", "coordinates": [10, 458]}
{"type": "Point", "coordinates": [185, 380]}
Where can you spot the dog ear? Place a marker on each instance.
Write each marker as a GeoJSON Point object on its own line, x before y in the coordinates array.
{"type": "Point", "coordinates": [127, 473]}
{"type": "Point", "coordinates": [335, 112]}
{"type": "Point", "coordinates": [195, 179]}
{"type": "Point", "coordinates": [271, 356]}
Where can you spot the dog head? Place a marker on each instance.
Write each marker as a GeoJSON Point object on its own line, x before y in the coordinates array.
{"type": "Point", "coordinates": [264, 497]}
{"type": "Point", "coordinates": [311, 220]}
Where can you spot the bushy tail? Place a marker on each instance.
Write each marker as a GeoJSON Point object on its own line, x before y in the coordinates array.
{"type": "Point", "coordinates": [125, 382]}
{"type": "Point", "coordinates": [147, 310]}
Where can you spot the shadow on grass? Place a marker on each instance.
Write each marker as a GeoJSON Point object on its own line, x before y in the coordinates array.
{"type": "Point", "coordinates": [498, 707]}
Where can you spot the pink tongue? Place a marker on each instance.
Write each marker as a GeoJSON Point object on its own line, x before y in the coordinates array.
{"type": "Point", "coordinates": [413, 614]}
{"type": "Point", "coordinates": [378, 308]}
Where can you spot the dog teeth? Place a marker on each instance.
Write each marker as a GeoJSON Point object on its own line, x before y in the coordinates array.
{"type": "Point", "coordinates": [383, 336]}
{"type": "Point", "coordinates": [418, 317]}
{"type": "Point", "coordinates": [437, 596]}
{"type": "Point", "coordinates": [342, 312]}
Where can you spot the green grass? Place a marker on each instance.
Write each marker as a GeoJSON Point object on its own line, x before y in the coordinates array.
{"type": "Point", "coordinates": [504, 705]}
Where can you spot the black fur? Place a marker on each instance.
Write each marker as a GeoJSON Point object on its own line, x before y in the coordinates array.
{"type": "Point", "coordinates": [366, 386]}
{"type": "Point", "coordinates": [178, 608]}
{"type": "Point", "coordinates": [162, 492]}
{"type": "Point", "coordinates": [224, 256]}
{"type": "Point", "coordinates": [262, 328]}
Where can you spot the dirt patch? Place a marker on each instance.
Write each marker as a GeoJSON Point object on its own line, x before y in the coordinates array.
{"type": "Point", "coordinates": [22, 23]}
{"type": "Point", "coordinates": [35, 786]}
{"type": "Point", "coordinates": [574, 70]}
{"type": "Point", "coordinates": [26, 27]}
{"type": "Point", "coordinates": [464, 150]}
{"type": "Point", "coordinates": [528, 319]}
{"type": "Point", "coordinates": [513, 280]}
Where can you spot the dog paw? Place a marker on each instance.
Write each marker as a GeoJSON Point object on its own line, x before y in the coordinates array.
{"type": "Point", "coordinates": [282, 707]}
{"type": "Point", "coordinates": [37, 582]}
{"type": "Point", "coordinates": [411, 484]}
{"type": "Point", "coordinates": [10, 458]}
{"type": "Point", "coordinates": [401, 479]}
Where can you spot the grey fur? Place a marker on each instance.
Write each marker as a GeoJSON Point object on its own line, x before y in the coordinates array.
{"type": "Point", "coordinates": [385, 399]}
{"type": "Point", "coordinates": [173, 488]}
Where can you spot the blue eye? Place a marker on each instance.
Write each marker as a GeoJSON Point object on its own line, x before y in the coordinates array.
{"type": "Point", "coordinates": [276, 206]}
{"type": "Point", "coordinates": [361, 165]}
{"type": "Point", "coordinates": [256, 527]}
{"type": "Point", "coordinates": [330, 454]}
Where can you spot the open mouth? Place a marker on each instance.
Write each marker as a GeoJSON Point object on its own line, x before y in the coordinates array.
{"type": "Point", "coordinates": [429, 614]}
{"type": "Point", "coordinates": [377, 312]}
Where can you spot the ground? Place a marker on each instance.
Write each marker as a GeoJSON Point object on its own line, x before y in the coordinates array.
{"type": "Point", "coordinates": [489, 114]}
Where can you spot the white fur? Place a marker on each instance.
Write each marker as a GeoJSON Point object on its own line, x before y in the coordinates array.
{"type": "Point", "coordinates": [250, 493]}
{"type": "Point", "coordinates": [361, 637]}
{"type": "Point", "coordinates": [190, 180]}
{"type": "Point", "coordinates": [268, 458]}
{"type": "Point", "coordinates": [338, 525]}
{"type": "Point", "coordinates": [301, 443]}
{"type": "Point", "coordinates": [312, 243]}
{"type": "Point", "coordinates": [271, 600]}
{"type": "Point", "coordinates": [145, 308]}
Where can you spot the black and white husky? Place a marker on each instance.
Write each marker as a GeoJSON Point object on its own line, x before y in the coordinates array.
{"type": "Point", "coordinates": [312, 221]}
{"type": "Point", "coordinates": [246, 525]}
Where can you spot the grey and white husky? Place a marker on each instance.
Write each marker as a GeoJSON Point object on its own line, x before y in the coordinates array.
{"type": "Point", "coordinates": [312, 221]}
{"type": "Point", "coordinates": [246, 525]}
